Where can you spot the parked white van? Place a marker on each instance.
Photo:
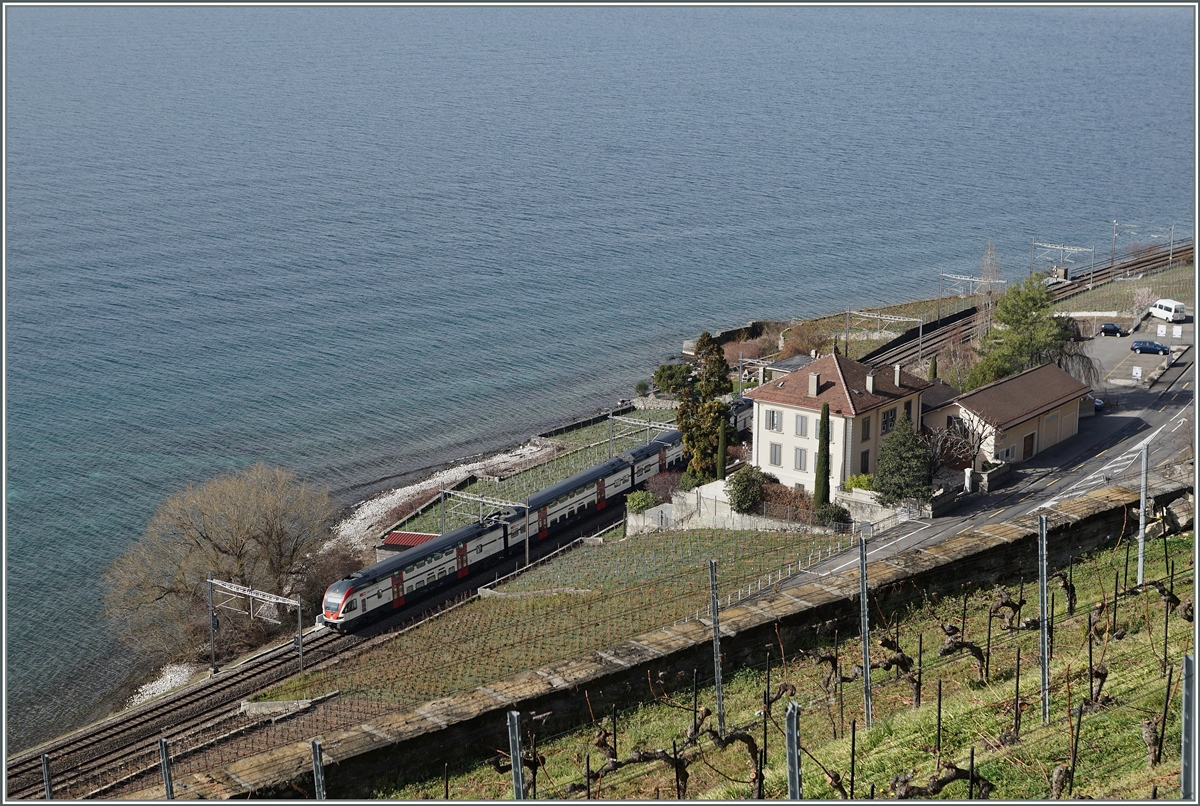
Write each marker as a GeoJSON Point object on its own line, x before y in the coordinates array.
{"type": "Point", "coordinates": [1169, 309]}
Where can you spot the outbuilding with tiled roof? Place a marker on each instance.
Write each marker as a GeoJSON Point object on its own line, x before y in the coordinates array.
{"type": "Point", "coordinates": [1016, 417]}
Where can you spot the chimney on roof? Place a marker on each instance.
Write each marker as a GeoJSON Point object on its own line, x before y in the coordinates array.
{"type": "Point", "coordinates": [897, 368]}
{"type": "Point", "coordinates": [814, 383]}
{"type": "Point", "coordinates": [871, 382]}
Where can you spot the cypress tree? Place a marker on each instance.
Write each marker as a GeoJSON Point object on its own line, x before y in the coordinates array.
{"type": "Point", "coordinates": [821, 486]}
{"type": "Point", "coordinates": [721, 455]}
{"type": "Point", "coordinates": [933, 368]}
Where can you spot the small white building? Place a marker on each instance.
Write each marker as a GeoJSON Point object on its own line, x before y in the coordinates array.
{"type": "Point", "coordinates": [864, 406]}
{"type": "Point", "coordinates": [1017, 417]}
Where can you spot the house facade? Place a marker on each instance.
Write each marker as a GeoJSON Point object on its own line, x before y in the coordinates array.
{"type": "Point", "coordinates": [1015, 418]}
{"type": "Point", "coordinates": [864, 406]}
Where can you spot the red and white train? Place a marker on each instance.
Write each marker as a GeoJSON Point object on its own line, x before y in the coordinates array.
{"type": "Point", "coordinates": [434, 564]}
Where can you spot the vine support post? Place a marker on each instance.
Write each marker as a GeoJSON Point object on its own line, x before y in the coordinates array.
{"type": "Point", "coordinates": [1017, 696]}
{"type": "Point", "coordinates": [866, 628]}
{"type": "Point", "coordinates": [792, 727]}
{"type": "Point", "coordinates": [920, 667]}
{"type": "Point", "coordinates": [1141, 568]}
{"type": "Point", "coordinates": [164, 761]}
{"type": "Point", "coordinates": [1187, 741]}
{"type": "Point", "coordinates": [514, 754]}
{"type": "Point", "coordinates": [939, 722]}
{"type": "Point", "coordinates": [1044, 620]}
{"type": "Point", "coordinates": [716, 628]}
{"type": "Point", "coordinates": [318, 771]}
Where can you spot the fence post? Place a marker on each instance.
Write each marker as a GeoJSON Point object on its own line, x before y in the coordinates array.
{"type": "Point", "coordinates": [1142, 519]}
{"type": "Point", "coordinates": [318, 771]}
{"type": "Point", "coordinates": [716, 628]}
{"type": "Point", "coordinates": [514, 753]}
{"type": "Point", "coordinates": [866, 631]}
{"type": "Point", "coordinates": [46, 774]}
{"type": "Point", "coordinates": [1187, 775]}
{"type": "Point", "coordinates": [1044, 620]}
{"type": "Point", "coordinates": [165, 763]}
{"type": "Point", "coordinates": [793, 751]}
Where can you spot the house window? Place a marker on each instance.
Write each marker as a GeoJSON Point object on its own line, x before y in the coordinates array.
{"type": "Point", "coordinates": [801, 459]}
{"type": "Point", "coordinates": [864, 463]}
{"type": "Point", "coordinates": [799, 486]}
{"type": "Point", "coordinates": [887, 422]}
{"type": "Point", "coordinates": [801, 425]}
{"type": "Point", "coordinates": [866, 428]}
{"type": "Point", "coordinates": [774, 420]}
{"type": "Point", "coordinates": [776, 454]}
{"type": "Point", "coordinates": [908, 409]}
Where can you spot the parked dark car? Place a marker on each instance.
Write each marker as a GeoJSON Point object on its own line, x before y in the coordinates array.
{"type": "Point", "coordinates": [1110, 329]}
{"type": "Point", "coordinates": [1150, 347]}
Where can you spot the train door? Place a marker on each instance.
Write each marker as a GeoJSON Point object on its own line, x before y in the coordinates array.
{"type": "Point", "coordinates": [543, 524]}
{"type": "Point", "coordinates": [662, 461]}
{"type": "Point", "coordinates": [397, 589]}
{"type": "Point", "coordinates": [600, 502]}
{"type": "Point", "coordinates": [460, 557]}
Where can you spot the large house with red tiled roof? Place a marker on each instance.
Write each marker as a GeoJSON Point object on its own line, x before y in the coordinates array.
{"type": "Point", "coordinates": [864, 406]}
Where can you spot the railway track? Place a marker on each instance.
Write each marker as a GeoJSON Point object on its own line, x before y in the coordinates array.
{"type": "Point", "coordinates": [932, 341]}
{"type": "Point", "coordinates": [82, 761]}
{"type": "Point", "coordinates": [92, 760]}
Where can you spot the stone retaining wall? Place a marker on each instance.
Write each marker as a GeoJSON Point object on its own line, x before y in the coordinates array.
{"type": "Point", "coordinates": [465, 728]}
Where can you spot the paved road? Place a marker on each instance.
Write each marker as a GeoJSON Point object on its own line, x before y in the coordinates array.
{"type": "Point", "coordinates": [1106, 450]}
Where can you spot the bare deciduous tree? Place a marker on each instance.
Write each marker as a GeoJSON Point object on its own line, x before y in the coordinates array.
{"type": "Point", "coordinates": [989, 273]}
{"type": "Point", "coordinates": [1142, 299]}
{"type": "Point", "coordinates": [956, 359]}
{"type": "Point", "coordinates": [257, 527]}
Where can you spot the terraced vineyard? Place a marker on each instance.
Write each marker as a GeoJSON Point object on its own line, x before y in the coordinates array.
{"type": "Point", "coordinates": [976, 713]}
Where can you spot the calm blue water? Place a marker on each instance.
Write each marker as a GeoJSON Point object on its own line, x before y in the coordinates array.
{"type": "Point", "coordinates": [358, 242]}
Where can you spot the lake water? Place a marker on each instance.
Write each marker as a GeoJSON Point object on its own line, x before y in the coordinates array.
{"type": "Point", "coordinates": [359, 242]}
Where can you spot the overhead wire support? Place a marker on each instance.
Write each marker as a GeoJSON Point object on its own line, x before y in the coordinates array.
{"type": "Point", "coordinates": [1064, 255]}
{"type": "Point", "coordinates": [974, 284]}
{"type": "Point", "coordinates": [238, 591]}
{"type": "Point", "coordinates": [499, 503]}
{"type": "Point", "coordinates": [884, 317]}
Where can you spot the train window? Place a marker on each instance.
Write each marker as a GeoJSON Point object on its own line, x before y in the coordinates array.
{"type": "Point", "coordinates": [421, 583]}
{"type": "Point", "coordinates": [408, 570]}
{"type": "Point", "coordinates": [408, 589]}
{"type": "Point", "coordinates": [350, 608]}
{"type": "Point", "coordinates": [441, 573]}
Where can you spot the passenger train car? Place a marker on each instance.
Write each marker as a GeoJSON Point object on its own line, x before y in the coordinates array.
{"type": "Point", "coordinates": [742, 412]}
{"type": "Point", "coordinates": [433, 565]}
